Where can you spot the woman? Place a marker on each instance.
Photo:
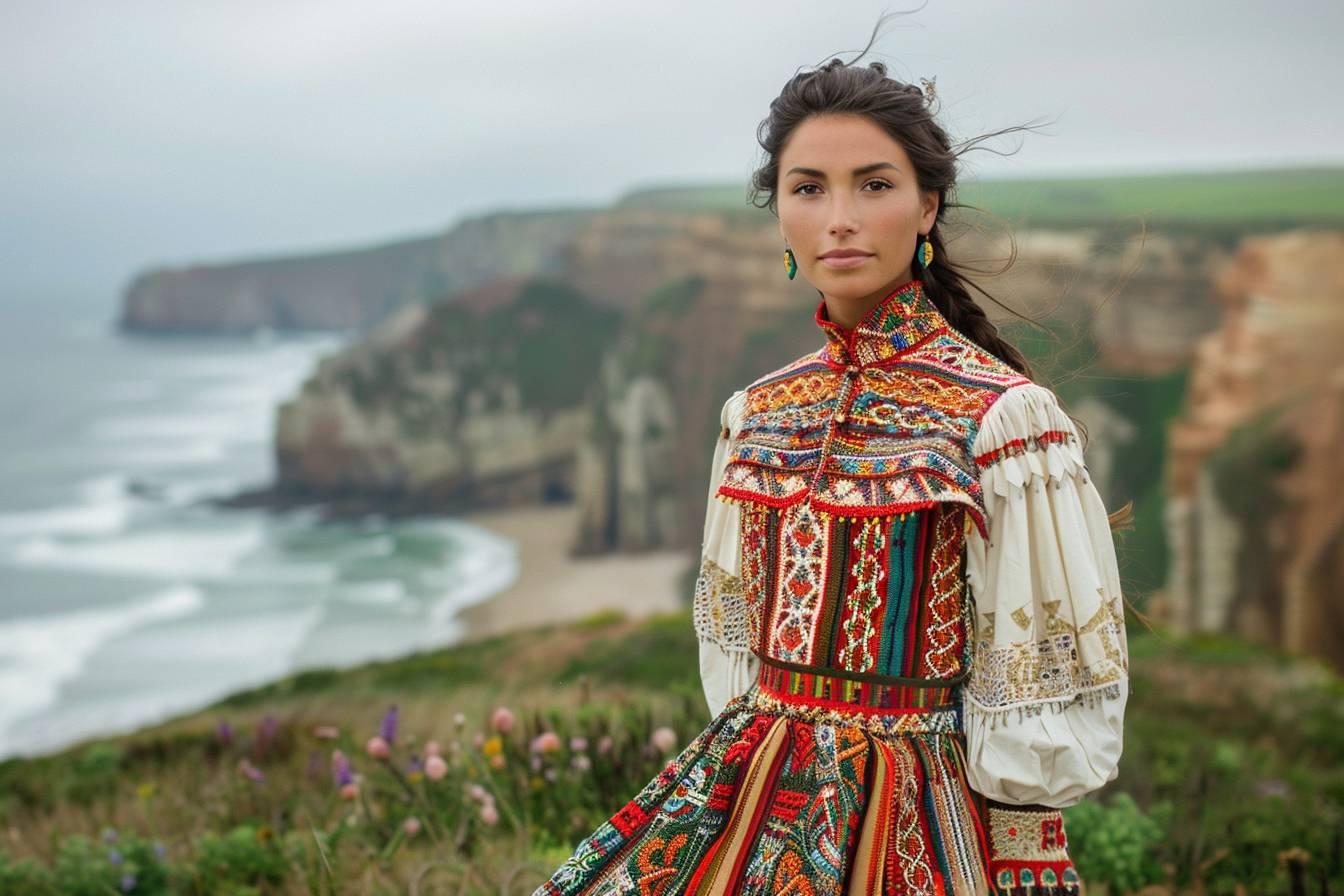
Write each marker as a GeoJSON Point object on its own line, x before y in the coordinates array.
{"type": "Point", "coordinates": [911, 626]}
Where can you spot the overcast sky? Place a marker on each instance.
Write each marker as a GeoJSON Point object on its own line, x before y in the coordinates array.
{"type": "Point", "coordinates": [139, 134]}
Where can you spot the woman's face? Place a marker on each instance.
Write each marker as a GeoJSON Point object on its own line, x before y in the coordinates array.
{"type": "Point", "coordinates": [844, 183]}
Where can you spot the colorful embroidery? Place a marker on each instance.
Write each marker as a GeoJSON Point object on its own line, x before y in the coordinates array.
{"type": "Point", "coordinates": [842, 768]}
{"type": "Point", "coordinates": [879, 421]}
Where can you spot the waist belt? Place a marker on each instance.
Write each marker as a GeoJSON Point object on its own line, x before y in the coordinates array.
{"type": "Point", "coordinates": [842, 689]}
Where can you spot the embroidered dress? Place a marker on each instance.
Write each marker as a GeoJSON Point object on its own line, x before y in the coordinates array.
{"type": "Point", "coordinates": [911, 636]}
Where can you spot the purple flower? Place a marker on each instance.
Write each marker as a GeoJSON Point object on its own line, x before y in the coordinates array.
{"type": "Point", "coordinates": [159, 850]}
{"type": "Point", "coordinates": [266, 732]}
{"type": "Point", "coordinates": [224, 733]}
{"type": "Point", "coordinates": [388, 731]}
{"type": "Point", "coordinates": [416, 764]}
{"type": "Point", "coordinates": [340, 769]}
{"type": "Point", "coordinates": [109, 835]}
{"type": "Point", "coordinates": [250, 771]}
{"type": "Point", "coordinates": [114, 856]}
{"type": "Point", "coordinates": [127, 882]}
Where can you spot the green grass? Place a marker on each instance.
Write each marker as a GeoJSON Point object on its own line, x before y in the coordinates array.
{"type": "Point", "coordinates": [1267, 197]}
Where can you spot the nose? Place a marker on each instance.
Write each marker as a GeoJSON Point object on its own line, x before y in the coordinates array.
{"type": "Point", "coordinates": [843, 217]}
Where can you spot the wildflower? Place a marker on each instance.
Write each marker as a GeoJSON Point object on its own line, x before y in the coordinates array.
{"type": "Point", "coordinates": [489, 814]}
{"type": "Point", "coordinates": [664, 740]}
{"type": "Point", "coordinates": [581, 763]}
{"type": "Point", "coordinates": [326, 732]}
{"type": "Point", "coordinates": [145, 790]}
{"type": "Point", "coordinates": [477, 739]}
{"type": "Point", "coordinates": [435, 768]}
{"type": "Point", "coordinates": [349, 791]}
{"type": "Point", "coordinates": [604, 744]}
{"type": "Point", "coordinates": [224, 733]}
{"type": "Point", "coordinates": [497, 761]}
{"type": "Point", "coordinates": [250, 771]}
{"type": "Point", "coordinates": [377, 747]}
{"type": "Point", "coordinates": [459, 719]}
{"type": "Point", "coordinates": [159, 851]}
{"type": "Point", "coordinates": [502, 720]}
{"type": "Point", "coordinates": [265, 834]}
{"type": "Point", "coordinates": [114, 857]}
{"type": "Point", "coordinates": [432, 748]}
{"type": "Point", "coordinates": [536, 763]}
{"type": "Point", "coordinates": [492, 747]}
{"type": "Point", "coordinates": [578, 744]}
{"type": "Point", "coordinates": [550, 774]}
{"type": "Point", "coordinates": [266, 732]}
{"type": "Point", "coordinates": [478, 793]}
{"type": "Point", "coordinates": [411, 826]}
{"type": "Point", "coordinates": [546, 742]}
{"type": "Point", "coordinates": [388, 731]}
{"type": "Point", "coordinates": [127, 882]}
{"type": "Point", "coordinates": [109, 835]}
{"type": "Point", "coordinates": [340, 769]}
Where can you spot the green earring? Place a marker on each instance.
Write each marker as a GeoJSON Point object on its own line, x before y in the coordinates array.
{"type": "Point", "coordinates": [790, 263]}
{"type": "Point", "coordinates": [924, 252]}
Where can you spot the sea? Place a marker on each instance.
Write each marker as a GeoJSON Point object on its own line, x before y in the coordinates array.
{"type": "Point", "coordinates": [125, 597]}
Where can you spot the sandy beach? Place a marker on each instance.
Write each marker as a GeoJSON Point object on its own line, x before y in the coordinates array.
{"type": "Point", "coordinates": [555, 587]}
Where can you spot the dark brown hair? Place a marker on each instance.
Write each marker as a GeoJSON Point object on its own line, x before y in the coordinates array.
{"type": "Point", "coordinates": [906, 113]}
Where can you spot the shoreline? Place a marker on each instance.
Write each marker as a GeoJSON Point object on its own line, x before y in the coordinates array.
{"type": "Point", "coordinates": [554, 587]}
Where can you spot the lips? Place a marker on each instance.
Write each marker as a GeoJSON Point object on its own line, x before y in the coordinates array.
{"type": "Point", "coordinates": [846, 253]}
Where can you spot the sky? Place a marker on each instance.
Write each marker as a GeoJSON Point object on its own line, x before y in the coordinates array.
{"type": "Point", "coordinates": [139, 135]}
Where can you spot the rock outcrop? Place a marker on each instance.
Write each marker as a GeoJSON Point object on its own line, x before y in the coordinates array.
{"type": "Point", "coordinates": [353, 289]}
{"type": "Point", "coordinates": [1255, 520]}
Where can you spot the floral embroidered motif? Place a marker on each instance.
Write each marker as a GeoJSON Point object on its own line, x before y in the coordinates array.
{"type": "Point", "coordinates": [801, 575]}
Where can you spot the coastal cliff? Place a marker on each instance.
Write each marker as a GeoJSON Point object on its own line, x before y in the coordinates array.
{"type": "Point", "coordinates": [1254, 516]}
{"type": "Point", "coordinates": [347, 289]}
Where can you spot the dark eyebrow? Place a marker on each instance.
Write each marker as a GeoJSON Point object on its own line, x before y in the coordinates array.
{"type": "Point", "coordinates": [813, 172]}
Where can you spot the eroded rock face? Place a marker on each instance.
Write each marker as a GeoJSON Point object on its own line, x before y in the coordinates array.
{"type": "Point", "coordinates": [1255, 520]}
{"type": "Point", "coordinates": [345, 290]}
{"type": "Point", "coordinates": [439, 406]}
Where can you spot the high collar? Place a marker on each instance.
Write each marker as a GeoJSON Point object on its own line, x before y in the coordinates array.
{"type": "Point", "coordinates": [904, 318]}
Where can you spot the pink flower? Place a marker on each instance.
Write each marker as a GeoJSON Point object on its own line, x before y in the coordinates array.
{"type": "Point", "coordinates": [546, 742]}
{"type": "Point", "coordinates": [497, 761]}
{"type": "Point", "coordinates": [489, 814]}
{"type": "Point", "coordinates": [581, 763]}
{"type": "Point", "coordinates": [435, 768]}
{"type": "Point", "coordinates": [250, 771]}
{"type": "Point", "coordinates": [432, 748]}
{"type": "Point", "coordinates": [604, 744]}
{"type": "Point", "coordinates": [477, 739]}
{"type": "Point", "coordinates": [326, 732]}
{"type": "Point", "coordinates": [478, 793]}
{"type": "Point", "coordinates": [411, 826]}
{"type": "Point", "coordinates": [502, 720]}
{"type": "Point", "coordinates": [377, 747]}
{"type": "Point", "coordinates": [664, 739]}
{"type": "Point", "coordinates": [577, 743]}
{"type": "Point", "coordinates": [349, 791]}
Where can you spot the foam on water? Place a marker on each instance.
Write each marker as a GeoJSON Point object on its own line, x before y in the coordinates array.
{"type": "Point", "coordinates": [165, 554]}
{"type": "Point", "coordinates": [38, 655]}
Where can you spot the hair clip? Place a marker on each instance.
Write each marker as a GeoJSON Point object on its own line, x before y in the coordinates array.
{"type": "Point", "coordinates": [927, 84]}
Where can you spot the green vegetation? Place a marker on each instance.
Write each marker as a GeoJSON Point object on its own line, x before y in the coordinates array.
{"type": "Point", "coordinates": [1231, 777]}
{"type": "Point", "coordinates": [1215, 202]}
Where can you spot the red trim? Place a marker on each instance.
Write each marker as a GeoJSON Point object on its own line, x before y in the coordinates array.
{"type": "Point", "coordinates": [1014, 447]}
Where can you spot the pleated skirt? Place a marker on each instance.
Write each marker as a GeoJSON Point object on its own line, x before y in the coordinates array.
{"type": "Point", "coordinates": [774, 797]}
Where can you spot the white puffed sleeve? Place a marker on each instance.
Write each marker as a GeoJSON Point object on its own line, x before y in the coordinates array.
{"type": "Point", "coordinates": [1044, 703]}
{"type": "Point", "coordinates": [727, 665]}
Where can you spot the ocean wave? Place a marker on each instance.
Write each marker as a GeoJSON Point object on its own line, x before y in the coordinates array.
{"type": "Point", "coordinates": [38, 654]}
